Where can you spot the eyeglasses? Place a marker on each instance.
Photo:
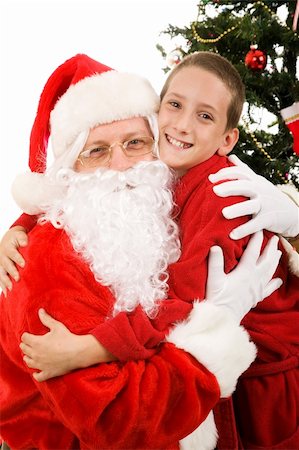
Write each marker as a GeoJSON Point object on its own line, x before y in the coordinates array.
{"type": "Point", "coordinates": [100, 155]}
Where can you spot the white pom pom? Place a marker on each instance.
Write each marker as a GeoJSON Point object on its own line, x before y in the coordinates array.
{"type": "Point", "coordinates": [32, 190]}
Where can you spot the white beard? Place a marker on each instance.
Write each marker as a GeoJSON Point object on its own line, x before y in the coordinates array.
{"type": "Point", "coordinates": [120, 222]}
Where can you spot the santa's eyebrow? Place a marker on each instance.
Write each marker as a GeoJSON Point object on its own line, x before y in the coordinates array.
{"type": "Point", "coordinates": [125, 137]}
{"type": "Point", "coordinates": [136, 133]}
{"type": "Point", "coordinates": [98, 142]}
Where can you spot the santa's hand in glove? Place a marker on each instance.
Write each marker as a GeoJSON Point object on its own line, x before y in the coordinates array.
{"type": "Point", "coordinates": [251, 280]}
{"type": "Point", "coordinates": [270, 208]}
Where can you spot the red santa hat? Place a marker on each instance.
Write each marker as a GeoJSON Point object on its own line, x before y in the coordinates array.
{"type": "Point", "coordinates": [79, 95]}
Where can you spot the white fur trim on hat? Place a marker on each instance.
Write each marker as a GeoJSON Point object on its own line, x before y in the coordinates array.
{"type": "Point", "coordinates": [213, 337]}
{"type": "Point", "coordinates": [290, 113]}
{"type": "Point", "coordinates": [100, 99]}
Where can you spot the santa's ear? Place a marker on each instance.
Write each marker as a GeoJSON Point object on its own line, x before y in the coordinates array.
{"type": "Point", "coordinates": [230, 138]}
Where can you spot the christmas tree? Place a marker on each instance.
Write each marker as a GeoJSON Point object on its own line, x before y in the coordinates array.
{"type": "Point", "coordinates": [264, 48]}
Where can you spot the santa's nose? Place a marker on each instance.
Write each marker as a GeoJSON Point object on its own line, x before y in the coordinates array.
{"type": "Point", "coordinates": [118, 159]}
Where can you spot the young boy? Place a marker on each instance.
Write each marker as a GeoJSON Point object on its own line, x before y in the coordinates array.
{"type": "Point", "coordinates": [194, 129]}
{"type": "Point", "coordinates": [201, 105]}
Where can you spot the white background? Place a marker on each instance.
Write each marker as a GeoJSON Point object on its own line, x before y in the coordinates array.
{"type": "Point", "coordinates": [37, 36]}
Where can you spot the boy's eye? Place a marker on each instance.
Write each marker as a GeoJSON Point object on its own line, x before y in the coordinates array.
{"type": "Point", "coordinates": [205, 116]}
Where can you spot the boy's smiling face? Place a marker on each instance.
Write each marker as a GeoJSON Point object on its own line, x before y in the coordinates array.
{"type": "Point", "coordinates": [193, 118]}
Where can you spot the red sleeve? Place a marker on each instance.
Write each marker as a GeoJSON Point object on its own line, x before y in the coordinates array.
{"type": "Point", "coordinates": [26, 221]}
{"type": "Point", "coordinates": [133, 336]}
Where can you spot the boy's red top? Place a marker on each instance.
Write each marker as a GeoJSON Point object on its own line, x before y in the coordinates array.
{"type": "Point", "coordinates": [266, 401]}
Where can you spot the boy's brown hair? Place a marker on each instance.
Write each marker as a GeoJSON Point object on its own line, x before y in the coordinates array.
{"type": "Point", "coordinates": [222, 69]}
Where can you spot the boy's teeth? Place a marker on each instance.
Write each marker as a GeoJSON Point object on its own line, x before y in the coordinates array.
{"type": "Point", "coordinates": [178, 143]}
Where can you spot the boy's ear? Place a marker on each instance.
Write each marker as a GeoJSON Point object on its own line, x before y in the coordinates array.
{"type": "Point", "coordinates": [230, 139]}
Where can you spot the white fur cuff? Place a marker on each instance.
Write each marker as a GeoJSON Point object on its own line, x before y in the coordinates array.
{"type": "Point", "coordinates": [203, 438]}
{"type": "Point", "coordinates": [213, 337]}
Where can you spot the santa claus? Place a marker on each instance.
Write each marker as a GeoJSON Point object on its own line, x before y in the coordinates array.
{"type": "Point", "coordinates": [100, 250]}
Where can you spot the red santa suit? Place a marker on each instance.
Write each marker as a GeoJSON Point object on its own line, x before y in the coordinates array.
{"type": "Point", "coordinates": [144, 404]}
{"type": "Point", "coordinates": [250, 420]}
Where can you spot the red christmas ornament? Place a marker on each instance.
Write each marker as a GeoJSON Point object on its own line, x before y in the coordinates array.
{"type": "Point", "coordinates": [255, 59]}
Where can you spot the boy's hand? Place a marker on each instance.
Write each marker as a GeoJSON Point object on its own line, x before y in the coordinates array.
{"type": "Point", "coordinates": [271, 209]}
{"type": "Point", "coordinates": [59, 351]}
{"type": "Point", "coordinates": [14, 238]}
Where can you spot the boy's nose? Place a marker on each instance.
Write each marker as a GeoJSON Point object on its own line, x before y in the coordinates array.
{"type": "Point", "coordinates": [183, 122]}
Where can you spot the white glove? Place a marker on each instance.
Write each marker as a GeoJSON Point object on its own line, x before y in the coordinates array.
{"type": "Point", "coordinates": [249, 282]}
{"type": "Point", "coordinates": [271, 209]}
